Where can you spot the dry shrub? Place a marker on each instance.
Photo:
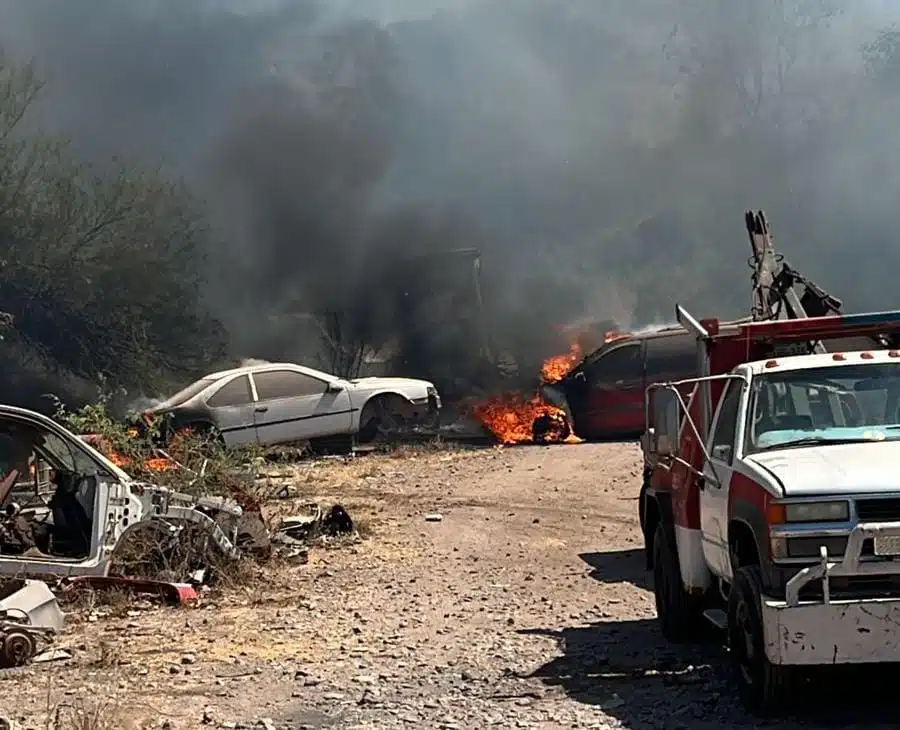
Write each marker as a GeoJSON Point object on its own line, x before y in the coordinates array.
{"type": "Point", "coordinates": [194, 463]}
{"type": "Point", "coordinates": [82, 714]}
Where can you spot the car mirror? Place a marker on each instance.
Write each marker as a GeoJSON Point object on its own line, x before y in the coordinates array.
{"type": "Point", "coordinates": [333, 388]}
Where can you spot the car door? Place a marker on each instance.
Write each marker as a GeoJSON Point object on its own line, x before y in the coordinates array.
{"type": "Point", "coordinates": [716, 480]}
{"type": "Point", "coordinates": [295, 406]}
{"type": "Point", "coordinates": [670, 357]}
{"type": "Point", "coordinates": [231, 408]}
{"type": "Point", "coordinates": [616, 391]}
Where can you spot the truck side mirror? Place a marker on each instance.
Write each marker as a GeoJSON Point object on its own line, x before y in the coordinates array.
{"type": "Point", "coordinates": [666, 415]}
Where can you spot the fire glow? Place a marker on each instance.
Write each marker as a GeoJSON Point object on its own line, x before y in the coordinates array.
{"type": "Point", "coordinates": [156, 464]}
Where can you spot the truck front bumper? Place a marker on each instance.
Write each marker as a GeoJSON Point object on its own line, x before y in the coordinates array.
{"type": "Point", "coordinates": [842, 631]}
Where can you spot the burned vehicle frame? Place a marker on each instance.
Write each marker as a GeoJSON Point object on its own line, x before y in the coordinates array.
{"type": "Point", "coordinates": [65, 508]}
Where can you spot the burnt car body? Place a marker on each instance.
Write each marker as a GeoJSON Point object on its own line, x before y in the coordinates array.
{"type": "Point", "coordinates": [603, 395]}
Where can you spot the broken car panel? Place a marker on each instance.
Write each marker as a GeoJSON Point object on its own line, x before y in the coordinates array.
{"type": "Point", "coordinates": [74, 506]}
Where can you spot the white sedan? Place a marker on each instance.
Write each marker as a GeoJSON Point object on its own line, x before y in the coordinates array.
{"type": "Point", "coordinates": [277, 403]}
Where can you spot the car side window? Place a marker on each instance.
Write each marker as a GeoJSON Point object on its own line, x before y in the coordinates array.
{"type": "Point", "coordinates": [671, 355]}
{"type": "Point", "coordinates": [274, 384]}
{"type": "Point", "coordinates": [618, 364]}
{"type": "Point", "coordinates": [722, 443]}
{"type": "Point", "coordinates": [234, 393]}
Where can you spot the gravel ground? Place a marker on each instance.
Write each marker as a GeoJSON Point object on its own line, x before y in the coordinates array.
{"type": "Point", "coordinates": [524, 606]}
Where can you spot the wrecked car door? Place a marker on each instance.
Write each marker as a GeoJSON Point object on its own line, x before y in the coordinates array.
{"type": "Point", "coordinates": [232, 410]}
{"type": "Point", "coordinates": [43, 524]}
{"type": "Point", "coordinates": [615, 396]}
{"type": "Point", "coordinates": [294, 406]}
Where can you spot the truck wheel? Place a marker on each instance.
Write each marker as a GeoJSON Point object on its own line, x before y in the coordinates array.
{"type": "Point", "coordinates": [764, 687]}
{"type": "Point", "coordinates": [676, 610]}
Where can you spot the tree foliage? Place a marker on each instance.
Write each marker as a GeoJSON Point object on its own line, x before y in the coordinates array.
{"type": "Point", "coordinates": [102, 268]}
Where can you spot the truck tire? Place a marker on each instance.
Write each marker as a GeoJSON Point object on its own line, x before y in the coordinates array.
{"type": "Point", "coordinates": [764, 687]}
{"type": "Point", "coordinates": [677, 611]}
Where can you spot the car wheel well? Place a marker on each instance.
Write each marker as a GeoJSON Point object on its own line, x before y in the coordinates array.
{"type": "Point", "coordinates": [375, 408]}
{"type": "Point", "coordinates": [742, 545]}
{"type": "Point", "coordinates": [388, 397]}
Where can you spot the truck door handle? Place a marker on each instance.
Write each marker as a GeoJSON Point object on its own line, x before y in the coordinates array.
{"type": "Point", "coordinates": [261, 409]}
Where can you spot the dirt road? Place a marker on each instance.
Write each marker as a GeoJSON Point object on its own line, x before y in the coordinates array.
{"type": "Point", "coordinates": [525, 606]}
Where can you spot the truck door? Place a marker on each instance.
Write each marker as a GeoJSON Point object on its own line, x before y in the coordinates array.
{"type": "Point", "coordinates": [716, 480]}
{"type": "Point", "coordinates": [615, 406]}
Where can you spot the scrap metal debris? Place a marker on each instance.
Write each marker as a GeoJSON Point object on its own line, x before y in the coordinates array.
{"type": "Point", "coordinates": [318, 522]}
{"type": "Point", "coordinates": [29, 617]}
{"type": "Point", "coordinates": [172, 593]}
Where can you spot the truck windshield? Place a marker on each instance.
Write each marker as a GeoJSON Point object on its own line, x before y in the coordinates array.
{"type": "Point", "coordinates": [829, 405]}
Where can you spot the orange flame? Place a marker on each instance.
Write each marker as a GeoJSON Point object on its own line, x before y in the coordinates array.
{"type": "Point", "coordinates": [511, 419]}
{"type": "Point", "coordinates": [103, 445]}
{"type": "Point", "coordinates": [613, 335]}
{"type": "Point", "coordinates": [557, 367]}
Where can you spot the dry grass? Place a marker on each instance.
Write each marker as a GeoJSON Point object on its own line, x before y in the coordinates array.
{"type": "Point", "coordinates": [83, 714]}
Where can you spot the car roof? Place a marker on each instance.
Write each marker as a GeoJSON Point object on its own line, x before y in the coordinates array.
{"type": "Point", "coordinates": [263, 367]}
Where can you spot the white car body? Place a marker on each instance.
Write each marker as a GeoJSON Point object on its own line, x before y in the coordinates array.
{"type": "Point", "coordinates": [248, 406]}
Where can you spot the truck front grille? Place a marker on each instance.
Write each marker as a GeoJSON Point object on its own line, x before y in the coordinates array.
{"type": "Point", "coordinates": [878, 510]}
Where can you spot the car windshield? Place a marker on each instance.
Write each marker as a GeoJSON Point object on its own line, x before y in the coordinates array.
{"type": "Point", "coordinates": [186, 393]}
{"type": "Point", "coordinates": [829, 405]}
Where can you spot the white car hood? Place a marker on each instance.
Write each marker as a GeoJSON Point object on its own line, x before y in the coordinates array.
{"type": "Point", "coordinates": [834, 468]}
{"type": "Point", "coordinates": [376, 382]}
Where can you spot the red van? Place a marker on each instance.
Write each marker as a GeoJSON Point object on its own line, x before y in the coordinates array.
{"type": "Point", "coordinates": [604, 394]}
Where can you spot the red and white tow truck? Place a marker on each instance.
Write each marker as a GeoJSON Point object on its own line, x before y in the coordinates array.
{"type": "Point", "coordinates": [771, 496]}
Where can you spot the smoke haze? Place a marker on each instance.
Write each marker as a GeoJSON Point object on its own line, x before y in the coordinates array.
{"type": "Point", "coordinates": [600, 159]}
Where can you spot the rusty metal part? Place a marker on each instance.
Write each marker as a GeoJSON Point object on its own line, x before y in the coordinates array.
{"type": "Point", "coordinates": [172, 593]}
{"type": "Point", "coordinates": [18, 647]}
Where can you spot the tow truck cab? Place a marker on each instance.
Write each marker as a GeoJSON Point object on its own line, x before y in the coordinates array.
{"type": "Point", "coordinates": [771, 499]}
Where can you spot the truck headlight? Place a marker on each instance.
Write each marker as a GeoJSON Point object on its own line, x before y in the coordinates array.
{"type": "Point", "coordinates": [817, 512]}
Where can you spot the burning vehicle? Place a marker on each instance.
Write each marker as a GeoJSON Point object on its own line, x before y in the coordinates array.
{"type": "Point", "coordinates": [546, 416]}
{"type": "Point", "coordinates": [277, 403]}
{"type": "Point", "coordinates": [66, 509]}
{"type": "Point", "coordinates": [603, 395]}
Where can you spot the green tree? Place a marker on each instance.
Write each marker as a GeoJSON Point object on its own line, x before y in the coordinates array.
{"type": "Point", "coordinates": [101, 268]}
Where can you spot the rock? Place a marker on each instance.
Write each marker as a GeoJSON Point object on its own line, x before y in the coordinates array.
{"type": "Point", "coordinates": [189, 659]}
{"type": "Point", "coordinates": [434, 517]}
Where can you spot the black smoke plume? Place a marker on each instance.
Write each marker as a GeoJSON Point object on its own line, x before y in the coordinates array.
{"type": "Point", "coordinates": [599, 156]}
